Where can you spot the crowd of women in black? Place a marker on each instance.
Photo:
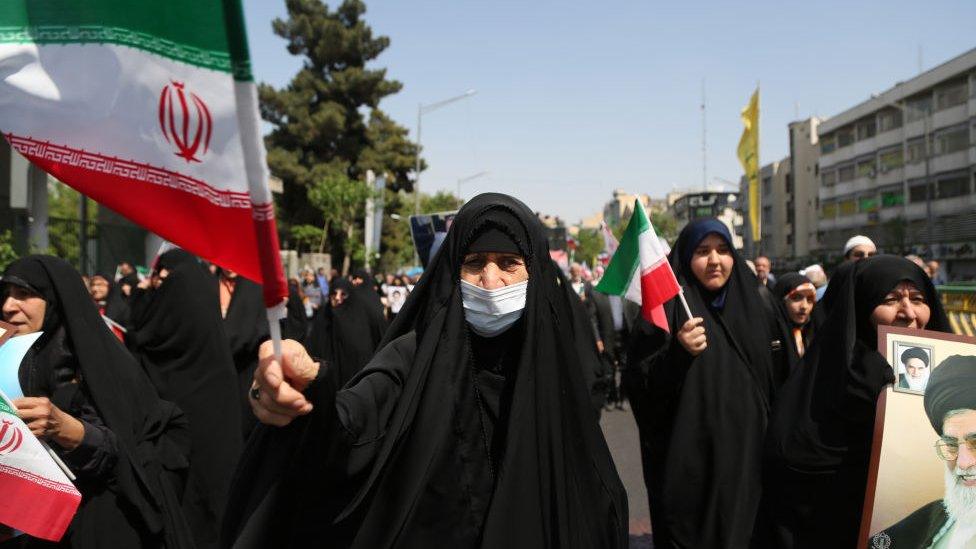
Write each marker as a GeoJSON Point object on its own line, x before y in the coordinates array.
{"type": "Point", "coordinates": [469, 420]}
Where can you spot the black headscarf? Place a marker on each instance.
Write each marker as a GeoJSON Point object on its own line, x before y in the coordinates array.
{"type": "Point", "coordinates": [702, 419]}
{"type": "Point", "coordinates": [820, 435]}
{"type": "Point", "coordinates": [343, 336]}
{"type": "Point", "coordinates": [785, 325]}
{"type": "Point", "coordinates": [952, 386]}
{"type": "Point", "coordinates": [178, 337]}
{"type": "Point", "coordinates": [420, 474]}
{"type": "Point", "coordinates": [115, 306]}
{"type": "Point", "coordinates": [141, 507]}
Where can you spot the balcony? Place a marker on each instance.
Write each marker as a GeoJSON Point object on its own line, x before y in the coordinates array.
{"type": "Point", "coordinates": [950, 116]}
{"type": "Point", "coordinates": [951, 161]}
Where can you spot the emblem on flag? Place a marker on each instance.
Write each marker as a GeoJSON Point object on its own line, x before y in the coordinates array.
{"type": "Point", "coordinates": [9, 444]}
{"type": "Point", "coordinates": [178, 110]}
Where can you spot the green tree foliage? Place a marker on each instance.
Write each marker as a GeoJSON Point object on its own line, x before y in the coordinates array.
{"type": "Point", "coordinates": [64, 208]}
{"type": "Point", "coordinates": [342, 202]}
{"type": "Point", "coordinates": [590, 244]}
{"type": "Point", "coordinates": [319, 119]}
{"type": "Point", "coordinates": [7, 253]}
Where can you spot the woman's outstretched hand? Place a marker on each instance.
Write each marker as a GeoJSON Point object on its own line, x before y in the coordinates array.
{"type": "Point", "coordinates": [276, 394]}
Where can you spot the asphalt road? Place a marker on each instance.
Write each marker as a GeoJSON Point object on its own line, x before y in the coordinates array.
{"type": "Point", "coordinates": [621, 434]}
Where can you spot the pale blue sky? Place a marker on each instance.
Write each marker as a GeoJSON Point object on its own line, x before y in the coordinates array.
{"type": "Point", "coordinates": [578, 98]}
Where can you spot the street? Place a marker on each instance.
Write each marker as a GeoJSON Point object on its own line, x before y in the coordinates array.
{"type": "Point", "coordinates": [621, 434]}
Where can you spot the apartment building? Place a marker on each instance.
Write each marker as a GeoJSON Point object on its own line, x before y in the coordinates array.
{"type": "Point", "coordinates": [802, 187]}
{"type": "Point", "coordinates": [721, 204]}
{"type": "Point", "coordinates": [900, 168]}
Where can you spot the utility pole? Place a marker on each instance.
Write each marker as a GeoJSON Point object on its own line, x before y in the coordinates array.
{"type": "Point", "coordinates": [704, 140]}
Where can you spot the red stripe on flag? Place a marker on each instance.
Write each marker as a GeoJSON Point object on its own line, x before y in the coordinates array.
{"type": "Point", "coordinates": [658, 285]}
{"type": "Point", "coordinates": [224, 235]}
{"type": "Point", "coordinates": [35, 505]}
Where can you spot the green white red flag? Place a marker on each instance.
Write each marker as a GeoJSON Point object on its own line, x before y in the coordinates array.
{"type": "Point", "coordinates": [38, 499]}
{"type": "Point", "coordinates": [150, 109]}
{"type": "Point", "coordinates": [639, 270]}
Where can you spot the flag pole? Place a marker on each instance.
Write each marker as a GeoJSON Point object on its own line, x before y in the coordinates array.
{"type": "Point", "coordinates": [275, 314]}
{"type": "Point", "coordinates": [684, 302]}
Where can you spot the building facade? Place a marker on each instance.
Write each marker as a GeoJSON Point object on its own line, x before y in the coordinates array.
{"type": "Point", "coordinates": [722, 205]}
{"type": "Point", "coordinates": [622, 205]}
{"type": "Point", "coordinates": [803, 188]}
{"type": "Point", "coordinates": [900, 168]}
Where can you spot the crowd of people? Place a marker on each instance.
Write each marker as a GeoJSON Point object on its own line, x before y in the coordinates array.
{"type": "Point", "coordinates": [461, 408]}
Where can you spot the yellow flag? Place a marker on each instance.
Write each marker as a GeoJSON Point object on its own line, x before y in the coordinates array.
{"type": "Point", "coordinates": [749, 157]}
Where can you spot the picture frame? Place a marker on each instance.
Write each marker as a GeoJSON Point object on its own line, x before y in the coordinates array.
{"type": "Point", "coordinates": [905, 474]}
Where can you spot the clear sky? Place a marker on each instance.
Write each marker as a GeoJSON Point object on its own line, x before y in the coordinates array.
{"type": "Point", "coordinates": [576, 98]}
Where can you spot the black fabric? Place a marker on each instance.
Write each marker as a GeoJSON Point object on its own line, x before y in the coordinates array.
{"type": "Point", "coordinates": [245, 327]}
{"type": "Point", "coordinates": [295, 325]}
{"type": "Point", "coordinates": [418, 476]}
{"type": "Point", "coordinates": [702, 420]}
{"type": "Point", "coordinates": [787, 357]}
{"type": "Point", "coordinates": [115, 306]}
{"type": "Point", "coordinates": [917, 530]}
{"type": "Point", "coordinates": [344, 336]}
{"type": "Point", "coordinates": [138, 506]}
{"type": "Point", "coordinates": [951, 386]}
{"type": "Point", "coordinates": [820, 435]}
{"type": "Point", "coordinates": [494, 239]}
{"type": "Point", "coordinates": [180, 342]}
{"type": "Point", "coordinates": [914, 352]}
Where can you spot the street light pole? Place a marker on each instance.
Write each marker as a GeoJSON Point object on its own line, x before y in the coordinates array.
{"type": "Point", "coordinates": [466, 179]}
{"type": "Point", "coordinates": [421, 111]}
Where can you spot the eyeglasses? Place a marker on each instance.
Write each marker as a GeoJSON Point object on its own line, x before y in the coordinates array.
{"type": "Point", "coordinates": [948, 449]}
{"type": "Point", "coordinates": [861, 254]}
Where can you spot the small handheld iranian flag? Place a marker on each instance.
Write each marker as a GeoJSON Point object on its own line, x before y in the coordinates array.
{"type": "Point", "coordinates": [37, 497]}
{"type": "Point", "coordinates": [639, 270]}
{"type": "Point", "coordinates": [150, 109]}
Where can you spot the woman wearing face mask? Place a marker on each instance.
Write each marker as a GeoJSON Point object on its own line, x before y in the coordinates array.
{"type": "Point", "coordinates": [706, 391]}
{"type": "Point", "coordinates": [470, 428]}
{"type": "Point", "coordinates": [90, 400]}
{"type": "Point", "coordinates": [820, 434]}
{"type": "Point", "coordinates": [797, 319]}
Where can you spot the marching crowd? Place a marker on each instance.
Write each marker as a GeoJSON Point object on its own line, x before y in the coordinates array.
{"type": "Point", "coordinates": [460, 408]}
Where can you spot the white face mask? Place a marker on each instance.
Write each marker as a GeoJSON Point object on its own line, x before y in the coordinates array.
{"type": "Point", "coordinates": [491, 312]}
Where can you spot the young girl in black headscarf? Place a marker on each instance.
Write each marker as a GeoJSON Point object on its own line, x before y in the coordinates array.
{"type": "Point", "coordinates": [703, 397]}
{"type": "Point", "coordinates": [796, 321]}
{"type": "Point", "coordinates": [821, 431]}
{"type": "Point", "coordinates": [470, 428]}
{"type": "Point", "coordinates": [88, 397]}
{"type": "Point", "coordinates": [179, 340]}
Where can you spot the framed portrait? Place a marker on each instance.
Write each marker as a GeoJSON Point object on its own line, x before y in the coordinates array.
{"type": "Point", "coordinates": [906, 475]}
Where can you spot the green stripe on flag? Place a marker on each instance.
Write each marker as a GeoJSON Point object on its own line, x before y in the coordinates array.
{"type": "Point", "coordinates": [189, 31]}
{"type": "Point", "coordinates": [7, 407]}
{"type": "Point", "coordinates": [626, 259]}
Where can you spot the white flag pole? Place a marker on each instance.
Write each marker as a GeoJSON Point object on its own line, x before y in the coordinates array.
{"type": "Point", "coordinates": [684, 302]}
{"type": "Point", "coordinates": [275, 314]}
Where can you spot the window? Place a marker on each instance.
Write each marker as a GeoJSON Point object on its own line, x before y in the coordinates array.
{"type": "Point", "coordinates": [789, 184]}
{"type": "Point", "coordinates": [845, 173]}
{"type": "Point", "coordinates": [916, 150]}
{"type": "Point", "coordinates": [951, 94]}
{"type": "Point", "coordinates": [865, 167]}
{"type": "Point", "coordinates": [828, 144]}
{"type": "Point", "coordinates": [952, 186]}
{"type": "Point", "coordinates": [916, 191]}
{"type": "Point", "coordinates": [828, 210]}
{"type": "Point", "coordinates": [867, 203]}
{"type": "Point", "coordinates": [890, 159]}
{"type": "Point", "coordinates": [889, 119]}
{"type": "Point", "coordinates": [951, 140]}
{"type": "Point", "coordinates": [828, 178]}
{"type": "Point", "coordinates": [845, 136]}
{"type": "Point", "coordinates": [892, 198]}
{"type": "Point", "coordinates": [767, 185]}
{"type": "Point", "coordinates": [847, 207]}
{"type": "Point", "coordinates": [918, 107]}
{"type": "Point", "coordinates": [866, 128]}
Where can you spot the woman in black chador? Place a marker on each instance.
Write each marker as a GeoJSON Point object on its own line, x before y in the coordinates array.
{"type": "Point", "coordinates": [342, 334]}
{"type": "Point", "coordinates": [178, 338]}
{"type": "Point", "coordinates": [701, 396]}
{"type": "Point", "coordinates": [472, 426]}
{"type": "Point", "coordinates": [820, 433]}
{"type": "Point", "coordinates": [796, 321]}
{"type": "Point", "coordinates": [90, 400]}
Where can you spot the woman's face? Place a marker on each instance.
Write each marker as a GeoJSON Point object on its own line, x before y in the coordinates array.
{"type": "Point", "coordinates": [903, 306]}
{"type": "Point", "coordinates": [799, 305]}
{"type": "Point", "coordinates": [24, 309]}
{"type": "Point", "coordinates": [493, 270]}
{"type": "Point", "coordinates": [712, 262]}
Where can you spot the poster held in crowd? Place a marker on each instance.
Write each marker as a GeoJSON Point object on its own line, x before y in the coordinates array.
{"type": "Point", "coordinates": [428, 232]}
{"type": "Point", "coordinates": [907, 478]}
{"type": "Point", "coordinates": [395, 296]}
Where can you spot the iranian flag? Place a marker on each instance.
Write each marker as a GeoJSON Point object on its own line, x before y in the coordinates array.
{"type": "Point", "coordinates": [149, 108]}
{"type": "Point", "coordinates": [639, 270]}
{"type": "Point", "coordinates": [37, 498]}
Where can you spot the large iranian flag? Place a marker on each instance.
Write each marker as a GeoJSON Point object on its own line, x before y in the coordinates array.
{"type": "Point", "coordinates": [639, 270]}
{"type": "Point", "coordinates": [149, 108]}
{"type": "Point", "coordinates": [35, 495]}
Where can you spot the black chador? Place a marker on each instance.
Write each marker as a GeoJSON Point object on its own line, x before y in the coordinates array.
{"type": "Point", "coordinates": [132, 464]}
{"type": "Point", "coordinates": [821, 430]}
{"type": "Point", "coordinates": [343, 335]}
{"type": "Point", "coordinates": [447, 439]}
{"type": "Point", "coordinates": [177, 336]}
{"type": "Point", "coordinates": [702, 419]}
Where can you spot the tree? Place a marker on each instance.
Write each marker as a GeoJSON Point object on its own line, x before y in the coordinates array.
{"type": "Point", "coordinates": [319, 128]}
{"type": "Point", "coordinates": [7, 253]}
{"type": "Point", "coordinates": [64, 207]}
{"type": "Point", "coordinates": [589, 245]}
